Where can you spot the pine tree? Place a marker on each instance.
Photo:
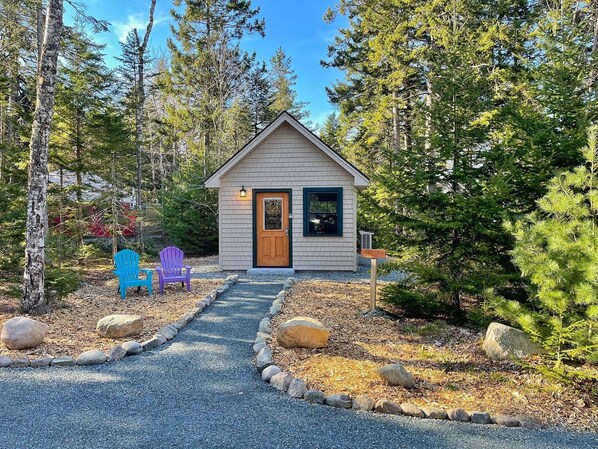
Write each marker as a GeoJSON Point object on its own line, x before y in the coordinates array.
{"type": "Point", "coordinates": [282, 79]}
{"type": "Point", "coordinates": [557, 252]}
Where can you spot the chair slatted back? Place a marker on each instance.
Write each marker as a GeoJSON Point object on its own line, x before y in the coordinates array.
{"type": "Point", "coordinates": [127, 264]}
{"type": "Point", "coordinates": [171, 259]}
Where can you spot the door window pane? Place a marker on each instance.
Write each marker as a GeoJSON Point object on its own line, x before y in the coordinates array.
{"type": "Point", "coordinates": [273, 214]}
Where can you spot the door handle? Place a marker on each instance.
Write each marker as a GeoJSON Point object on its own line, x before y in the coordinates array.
{"type": "Point", "coordinates": [286, 231]}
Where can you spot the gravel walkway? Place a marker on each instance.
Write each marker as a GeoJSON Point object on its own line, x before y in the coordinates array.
{"type": "Point", "coordinates": [202, 391]}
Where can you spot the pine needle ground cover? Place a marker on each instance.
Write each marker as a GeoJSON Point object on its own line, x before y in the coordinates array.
{"type": "Point", "coordinates": [447, 362]}
{"type": "Point", "coordinates": [73, 320]}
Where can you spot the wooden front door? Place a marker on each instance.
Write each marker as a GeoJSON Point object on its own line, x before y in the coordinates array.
{"type": "Point", "coordinates": [272, 229]}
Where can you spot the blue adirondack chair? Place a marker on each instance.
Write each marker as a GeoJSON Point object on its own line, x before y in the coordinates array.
{"type": "Point", "coordinates": [127, 270]}
{"type": "Point", "coordinates": [171, 268]}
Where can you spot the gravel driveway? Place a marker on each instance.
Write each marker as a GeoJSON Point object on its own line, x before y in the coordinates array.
{"type": "Point", "coordinates": [202, 391]}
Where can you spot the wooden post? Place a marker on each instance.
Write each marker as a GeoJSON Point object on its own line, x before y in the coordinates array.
{"type": "Point", "coordinates": [373, 255]}
{"type": "Point", "coordinates": [374, 267]}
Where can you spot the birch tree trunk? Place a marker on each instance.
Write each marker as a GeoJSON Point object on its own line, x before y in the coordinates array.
{"type": "Point", "coordinates": [34, 301]}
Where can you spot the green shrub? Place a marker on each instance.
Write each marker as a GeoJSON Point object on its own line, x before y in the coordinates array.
{"type": "Point", "coordinates": [557, 252]}
{"type": "Point", "coordinates": [60, 282]}
{"type": "Point", "coordinates": [415, 303]}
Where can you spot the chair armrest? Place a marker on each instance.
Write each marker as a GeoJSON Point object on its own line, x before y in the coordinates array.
{"type": "Point", "coordinates": [159, 268]}
{"type": "Point", "coordinates": [148, 273]}
{"type": "Point", "coordinates": [188, 267]}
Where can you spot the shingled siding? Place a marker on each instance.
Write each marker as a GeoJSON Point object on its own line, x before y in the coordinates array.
{"type": "Point", "coordinates": [286, 160]}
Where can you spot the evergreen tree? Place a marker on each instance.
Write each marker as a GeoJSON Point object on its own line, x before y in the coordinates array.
{"type": "Point", "coordinates": [282, 79]}
{"type": "Point", "coordinates": [331, 132]}
{"type": "Point", "coordinates": [557, 252]}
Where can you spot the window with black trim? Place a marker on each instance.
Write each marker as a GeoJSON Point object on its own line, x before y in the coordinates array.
{"type": "Point", "coordinates": [323, 211]}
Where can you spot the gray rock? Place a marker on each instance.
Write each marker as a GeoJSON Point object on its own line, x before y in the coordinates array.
{"type": "Point", "coordinates": [93, 357]}
{"type": "Point", "coordinates": [21, 362]}
{"type": "Point", "coordinates": [389, 407]}
{"type": "Point", "coordinates": [480, 418]}
{"type": "Point", "coordinates": [297, 389]}
{"type": "Point", "coordinates": [23, 333]}
{"type": "Point", "coordinates": [434, 412]}
{"type": "Point", "coordinates": [265, 335]}
{"type": "Point", "coordinates": [233, 278]}
{"type": "Point", "coordinates": [505, 420]}
{"type": "Point", "coordinates": [195, 311]}
{"type": "Point", "coordinates": [132, 347]}
{"type": "Point", "coordinates": [275, 309]}
{"type": "Point", "coordinates": [363, 402]}
{"type": "Point", "coordinates": [65, 360]}
{"type": "Point", "coordinates": [222, 290]}
{"type": "Point", "coordinates": [40, 363]}
{"type": "Point", "coordinates": [116, 353]}
{"type": "Point", "coordinates": [263, 358]}
{"type": "Point", "coordinates": [269, 316]}
{"type": "Point", "coordinates": [314, 397]}
{"type": "Point", "coordinates": [457, 414]}
{"type": "Point", "coordinates": [179, 325]}
{"type": "Point", "coordinates": [118, 326]}
{"type": "Point", "coordinates": [259, 346]}
{"type": "Point", "coordinates": [269, 372]}
{"type": "Point", "coordinates": [265, 326]}
{"type": "Point", "coordinates": [395, 374]}
{"type": "Point", "coordinates": [410, 409]}
{"type": "Point", "coordinates": [504, 342]}
{"type": "Point", "coordinates": [168, 332]}
{"type": "Point", "coordinates": [188, 317]}
{"type": "Point", "coordinates": [5, 361]}
{"type": "Point", "coordinates": [527, 422]}
{"type": "Point", "coordinates": [161, 339]}
{"type": "Point", "coordinates": [259, 340]}
{"type": "Point", "coordinates": [281, 381]}
{"type": "Point", "coordinates": [150, 344]}
{"type": "Point", "coordinates": [339, 401]}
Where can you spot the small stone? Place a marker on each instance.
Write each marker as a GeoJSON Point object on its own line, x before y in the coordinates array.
{"type": "Point", "coordinates": [363, 402]}
{"type": "Point", "coordinates": [222, 290]}
{"type": "Point", "coordinates": [263, 358]}
{"type": "Point", "coordinates": [527, 422]}
{"type": "Point", "coordinates": [457, 414]}
{"type": "Point", "coordinates": [233, 278]}
{"type": "Point", "coordinates": [150, 344]}
{"type": "Point", "coordinates": [188, 317]}
{"type": "Point", "coordinates": [339, 401]}
{"type": "Point", "coordinates": [21, 362]}
{"type": "Point", "coordinates": [269, 372]}
{"type": "Point", "coordinates": [265, 335]}
{"type": "Point", "coordinates": [132, 347]}
{"type": "Point", "coordinates": [281, 381]}
{"type": "Point", "coordinates": [180, 324]}
{"type": "Point", "coordinates": [389, 407]}
{"type": "Point", "coordinates": [505, 420]}
{"type": "Point", "coordinates": [259, 339]}
{"type": "Point", "coordinates": [168, 332]}
{"type": "Point", "coordinates": [264, 326]}
{"type": "Point", "coordinates": [23, 333]}
{"type": "Point", "coordinates": [195, 311]}
{"type": "Point", "coordinates": [269, 316]}
{"type": "Point", "coordinates": [395, 374]}
{"type": "Point", "coordinates": [5, 361]}
{"type": "Point", "coordinates": [40, 363]}
{"type": "Point", "coordinates": [580, 403]}
{"type": "Point", "coordinates": [480, 418]}
{"type": "Point", "coordinates": [282, 295]}
{"type": "Point", "coordinates": [214, 294]}
{"type": "Point", "coordinates": [434, 413]}
{"type": "Point", "coordinates": [65, 360]}
{"type": "Point", "coordinates": [259, 346]}
{"type": "Point", "coordinates": [161, 339]}
{"type": "Point", "coordinates": [93, 357]}
{"type": "Point", "coordinates": [410, 409]}
{"type": "Point", "coordinates": [118, 326]}
{"type": "Point", "coordinates": [297, 389]}
{"type": "Point", "coordinates": [116, 353]}
{"type": "Point", "coordinates": [275, 309]}
{"type": "Point", "coordinates": [314, 397]}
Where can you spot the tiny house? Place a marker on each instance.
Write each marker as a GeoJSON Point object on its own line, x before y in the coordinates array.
{"type": "Point", "coordinates": [287, 201]}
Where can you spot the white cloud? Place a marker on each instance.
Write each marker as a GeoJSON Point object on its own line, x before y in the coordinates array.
{"type": "Point", "coordinates": [137, 20]}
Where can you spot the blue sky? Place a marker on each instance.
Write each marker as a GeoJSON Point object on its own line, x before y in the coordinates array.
{"type": "Point", "coordinates": [294, 25]}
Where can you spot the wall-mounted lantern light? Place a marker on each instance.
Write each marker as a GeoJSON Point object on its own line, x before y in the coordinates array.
{"type": "Point", "coordinates": [242, 192]}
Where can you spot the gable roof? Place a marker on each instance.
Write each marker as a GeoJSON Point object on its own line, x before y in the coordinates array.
{"type": "Point", "coordinates": [360, 180]}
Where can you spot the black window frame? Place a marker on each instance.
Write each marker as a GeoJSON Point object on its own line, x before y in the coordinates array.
{"type": "Point", "coordinates": [307, 191]}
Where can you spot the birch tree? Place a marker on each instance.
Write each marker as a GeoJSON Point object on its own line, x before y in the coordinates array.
{"type": "Point", "coordinates": [34, 300]}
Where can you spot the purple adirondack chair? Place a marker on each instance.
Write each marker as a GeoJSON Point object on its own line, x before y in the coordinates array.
{"type": "Point", "coordinates": [171, 270]}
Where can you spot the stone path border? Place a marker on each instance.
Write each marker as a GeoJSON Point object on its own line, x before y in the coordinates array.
{"type": "Point", "coordinates": [129, 348]}
{"type": "Point", "coordinates": [297, 388]}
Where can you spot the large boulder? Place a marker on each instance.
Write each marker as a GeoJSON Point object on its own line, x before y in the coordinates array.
{"type": "Point", "coordinates": [23, 333]}
{"type": "Point", "coordinates": [118, 326]}
{"type": "Point", "coordinates": [395, 374]}
{"type": "Point", "coordinates": [302, 332]}
{"type": "Point", "coordinates": [504, 342]}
